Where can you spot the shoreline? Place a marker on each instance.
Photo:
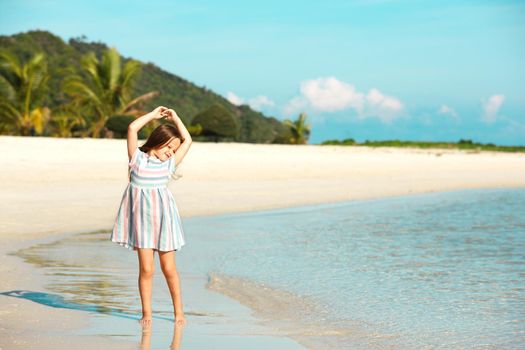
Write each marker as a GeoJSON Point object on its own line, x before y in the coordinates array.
{"type": "Point", "coordinates": [280, 307]}
{"type": "Point", "coordinates": [58, 187]}
{"type": "Point", "coordinates": [213, 307]}
{"type": "Point", "coordinates": [243, 291]}
{"type": "Point", "coordinates": [29, 325]}
{"type": "Point", "coordinates": [239, 290]}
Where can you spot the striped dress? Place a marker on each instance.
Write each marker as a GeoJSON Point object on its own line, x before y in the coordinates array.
{"type": "Point", "coordinates": [148, 216]}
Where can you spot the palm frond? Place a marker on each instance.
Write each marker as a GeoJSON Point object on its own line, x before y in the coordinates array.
{"type": "Point", "coordinates": [111, 68]}
{"type": "Point", "coordinates": [11, 72]}
{"type": "Point", "coordinates": [140, 100]}
{"type": "Point", "coordinates": [130, 73]}
{"type": "Point", "coordinates": [80, 90]}
{"type": "Point", "coordinates": [8, 112]}
{"type": "Point", "coordinates": [10, 63]}
{"type": "Point", "coordinates": [7, 90]}
{"type": "Point", "coordinates": [90, 64]}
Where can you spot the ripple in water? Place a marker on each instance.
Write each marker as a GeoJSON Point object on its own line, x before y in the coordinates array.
{"type": "Point", "coordinates": [438, 271]}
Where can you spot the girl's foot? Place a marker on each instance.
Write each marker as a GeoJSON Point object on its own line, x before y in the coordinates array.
{"type": "Point", "coordinates": [180, 320]}
{"type": "Point", "coordinates": [145, 321]}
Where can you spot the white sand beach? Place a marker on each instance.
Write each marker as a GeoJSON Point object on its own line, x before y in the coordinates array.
{"type": "Point", "coordinates": [55, 187]}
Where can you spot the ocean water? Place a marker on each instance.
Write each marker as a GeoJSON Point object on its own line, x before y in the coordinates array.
{"type": "Point", "coordinates": [437, 271]}
{"type": "Point", "coordinates": [432, 271]}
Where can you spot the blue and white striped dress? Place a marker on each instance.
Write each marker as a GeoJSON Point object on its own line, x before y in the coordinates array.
{"type": "Point", "coordinates": [148, 216]}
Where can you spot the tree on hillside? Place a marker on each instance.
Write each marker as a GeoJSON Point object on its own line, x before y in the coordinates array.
{"type": "Point", "coordinates": [107, 89]}
{"type": "Point", "coordinates": [299, 129]}
{"type": "Point", "coordinates": [64, 60]}
{"type": "Point", "coordinates": [23, 88]}
{"type": "Point", "coordinates": [217, 122]}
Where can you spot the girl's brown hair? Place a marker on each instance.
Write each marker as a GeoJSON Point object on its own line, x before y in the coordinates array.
{"type": "Point", "coordinates": [160, 136]}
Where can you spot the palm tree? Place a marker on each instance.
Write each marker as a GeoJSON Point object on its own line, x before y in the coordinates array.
{"type": "Point", "coordinates": [65, 118]}
{"type": "Point", "coordinates": [300, 130]}
{"type": "Point", "coordinates": [22, 90]}
{"type": "Point", "coordinates": [108, 89]}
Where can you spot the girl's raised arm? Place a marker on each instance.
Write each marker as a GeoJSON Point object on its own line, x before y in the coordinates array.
{"type": "Point", "coordinates": [185, 145]}
{"type": "Point", "coordinates": [135, 126]}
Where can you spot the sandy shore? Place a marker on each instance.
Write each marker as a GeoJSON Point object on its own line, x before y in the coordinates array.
{"type": "Point", "coordinates": [51, 187]}
{"type": "Point", "coordinates": [76, 184]}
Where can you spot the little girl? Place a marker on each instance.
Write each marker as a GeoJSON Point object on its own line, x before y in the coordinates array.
{"type": "Point", "coordinates": [148, 219]}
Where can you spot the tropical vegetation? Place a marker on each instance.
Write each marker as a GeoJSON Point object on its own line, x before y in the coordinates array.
{"type": "Point", "coordinates": [217, 123]}
{"type": "Point", "coordinates": [23, 86]}
{"type": "Point", "coordinates": [84, 89]}
{"type": "Point", "coordinates": [461, 144]}
{"type": "Point", "coordinates": [299, 129]}
{"type": "Point", "coordinates": [106, 89]}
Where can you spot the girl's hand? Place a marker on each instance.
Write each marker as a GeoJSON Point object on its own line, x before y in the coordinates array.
{"type": "Point", "coordinates": [159, 111]}
{"type": "Point", "coordinates": [170, 114]}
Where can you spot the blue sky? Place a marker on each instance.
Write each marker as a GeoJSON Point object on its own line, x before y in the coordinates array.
{"type": "Point", "coordinates": [376, 69]}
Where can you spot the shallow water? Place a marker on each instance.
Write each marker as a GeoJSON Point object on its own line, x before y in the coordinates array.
{"type": "Point", "coordinates": [89, 273]}
{"type": "Point", "coordinates": [436, 271]}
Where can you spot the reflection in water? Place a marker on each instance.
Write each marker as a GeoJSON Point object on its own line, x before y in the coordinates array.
{"type": "Point", "coordinates": [85, 274]}
{"type": "Point", "coordinates": [58, 301]}
{"type": "Point", "coordinates": [81, 276]}
{"type": "Point", "coordinates": [145, 342]}
{"type": "Point", "coordinates": [81, 272]}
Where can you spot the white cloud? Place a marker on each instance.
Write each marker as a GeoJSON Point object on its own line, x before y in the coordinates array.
{"type": "Point", "coordinates": [295, 105]}
{"type": "Point", "coordinates": [256, 103]}
{"type": "Point", "coordinates": [234, 99]}
{"type": "Point", "coordinates": [444, 109]}
{"type": "Point", "coordinates": [492, 107]}
{"type": "Point", "coordinates": [259, 102]}
{"type": "Point", "coordinates": [332, 95]}
{"type": "Point", "coordinates": [386, 108]}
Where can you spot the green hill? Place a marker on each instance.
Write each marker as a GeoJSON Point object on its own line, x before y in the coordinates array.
{"type": "Point", "coordinates": [63, 59]}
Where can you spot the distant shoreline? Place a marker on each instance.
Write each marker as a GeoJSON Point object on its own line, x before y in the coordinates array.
{"type": "Point", "coordinates": [465, 145]}
{"type": "Point", "coordinates": [462, 145]}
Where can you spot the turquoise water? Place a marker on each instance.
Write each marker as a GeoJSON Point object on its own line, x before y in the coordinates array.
{"type": "Point", "coordinates": [440, 271]}
{"type": "Point", "coordinates": [433, 271]}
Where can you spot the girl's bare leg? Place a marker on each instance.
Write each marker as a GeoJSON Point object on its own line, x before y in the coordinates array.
{"type": "Point", "coordinates": [177, 337]}
{"type": "Point", "coordinates": [146, 269]}
{"type": "Point", "coordinates": [169, 269]}
{"type": "Point", "coordinates": [145, 340]}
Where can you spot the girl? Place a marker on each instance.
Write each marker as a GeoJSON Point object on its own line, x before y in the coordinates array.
{"type": "Point", "coordinates": [148, 219]}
